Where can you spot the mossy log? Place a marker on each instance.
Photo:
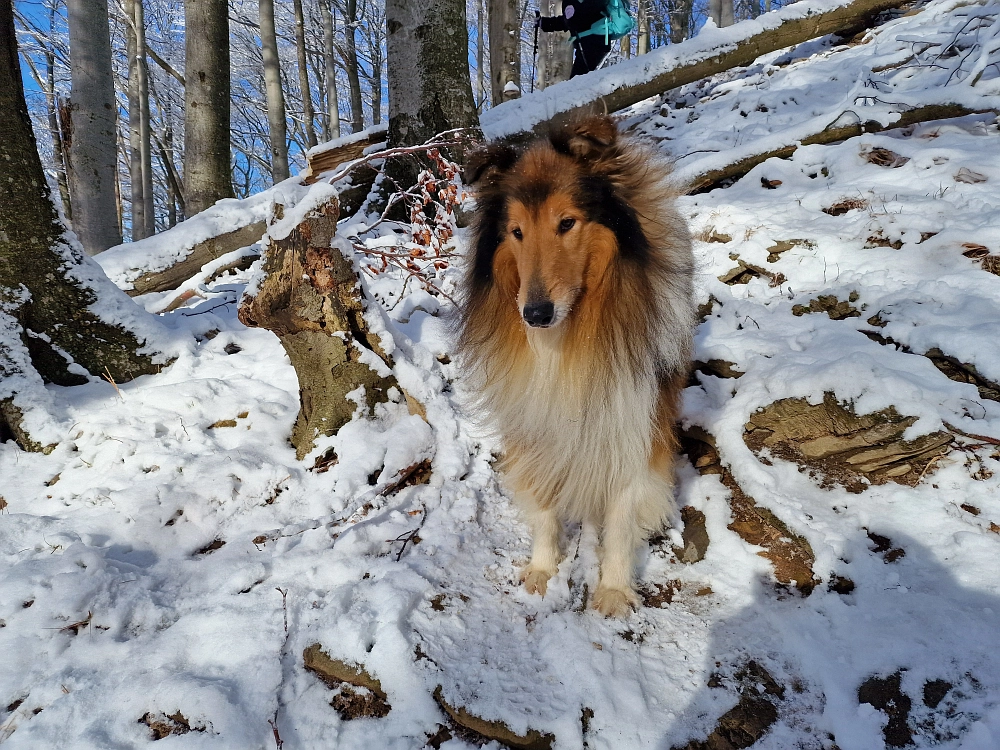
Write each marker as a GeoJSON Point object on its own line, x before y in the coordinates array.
{"type": "Point", "coordinates": [310, 296]}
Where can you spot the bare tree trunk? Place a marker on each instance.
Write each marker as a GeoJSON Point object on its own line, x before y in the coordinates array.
{"type": "Point", "coordinates": [140, 158]}
{"type": "Point", "coordinates": [272, 90]}
{"type": "Point", "coordinates": [642, 27]}
{"type": "Point", "coordinates": [351, 64]}
{"type": "Point", "coordinates": [480, 55]}
{"type": "Point", "coordinates": [429, 86]}
{"type": "Point", "coordinates": [555, 51]}
{"type": "Point", "coordinates": [332, 97]}
{"type": "Point", "coordinates": [308, 115]}
{"type": "Point", "coordinates": [45, 313]}
{"type": "Point", "coordinates": [680, 19]}
{"type": "Point", "coordinates": [53, 102]}
{"type": "Point", "coordinates": [206, 104]}
{"type": "Point", "coordinates": [93, 108]}
{"type": "Point", "coordinates": [505, 48]}
{"type": "Point", "coordinates": [721, 12]}
{"type": "Point", "coordinates": [375, 57]}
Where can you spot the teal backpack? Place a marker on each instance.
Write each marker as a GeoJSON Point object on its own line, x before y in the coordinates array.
{"type": "Point", "coordinates": [617, 22]}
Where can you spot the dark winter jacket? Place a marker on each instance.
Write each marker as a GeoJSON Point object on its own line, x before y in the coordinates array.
{"type": "Point", "coordinates": [577, 16]}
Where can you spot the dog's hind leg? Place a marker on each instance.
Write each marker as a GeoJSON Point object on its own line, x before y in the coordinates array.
{"type": "Point", "coordinates": [545, 529]}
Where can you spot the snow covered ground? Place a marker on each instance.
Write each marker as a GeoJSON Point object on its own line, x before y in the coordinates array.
{"type": "Point", "coordinates": [171, 555]}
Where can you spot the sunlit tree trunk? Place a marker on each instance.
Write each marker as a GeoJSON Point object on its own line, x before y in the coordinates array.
{"type": "Point", "coordinates": [207, 171]}
{"type": "Point", "coordinates": [555, 51]}
{"type": "Point", "coordinates": [275, 96]}
{"type": "Point", "coordinates": [308, 114]}
{"type": "Point", "coordinates": [93, 142]}
{"type": "Point", "coordinates": [332, 96]}
{"type": "Point", "coordinates": [140, 158]}
{"type": "Point", "coordinates": [505, 48]}
{"type": "Point", "coordinates": [351, 65]}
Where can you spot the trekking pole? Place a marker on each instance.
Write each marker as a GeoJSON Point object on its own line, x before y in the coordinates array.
{"type": "Point", "coordinates": [534, 53]}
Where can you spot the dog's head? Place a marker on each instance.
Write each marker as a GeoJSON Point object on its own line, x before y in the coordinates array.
{"type": "Point", "coordinates": [551, 220]}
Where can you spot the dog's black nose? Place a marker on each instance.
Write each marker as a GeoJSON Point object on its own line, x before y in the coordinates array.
{"type": "Point", "coordinates": [539, 314]}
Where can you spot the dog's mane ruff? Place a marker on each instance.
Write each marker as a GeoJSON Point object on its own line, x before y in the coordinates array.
{"type": "Point", "coordinates": [559, 398]}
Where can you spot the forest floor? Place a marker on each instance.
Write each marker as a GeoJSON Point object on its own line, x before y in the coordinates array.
{"type": "Point", "coordinates": [169, 567]}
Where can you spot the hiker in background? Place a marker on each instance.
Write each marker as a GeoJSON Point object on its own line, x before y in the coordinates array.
{"type": "Point", "coordinates": [593, 25]}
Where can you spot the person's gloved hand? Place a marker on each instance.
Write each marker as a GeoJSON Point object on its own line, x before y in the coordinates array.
{"type": "Point", "coordinates": [553, 23]}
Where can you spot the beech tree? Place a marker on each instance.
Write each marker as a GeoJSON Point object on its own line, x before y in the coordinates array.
{"type": "Point", "coordinates": [275, 95]}
{"type": "Point", "coordinates": [206, 104]}
{"type": "Point", "coordinates": [140, 155]}
{"type": "Point", "coordinates": [505, 47]}
{"type": "Point", "coordinates": [92, 149]}
{"type": "Point", "coordinates": [50, 328]}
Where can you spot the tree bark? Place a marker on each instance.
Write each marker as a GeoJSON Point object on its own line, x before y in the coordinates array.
{"type": "Point", "coordinates": [140, 157]}
{"type": "Point", "coordinates": [505, 48]}
{"type": "Point", "coordinates": [555, 51]}
{"type": "Point", "coordinates": [308, 114]}
{"type": "Point", "coordinates": [642, 28]}
{"type": "Point", "coordinates": [310, 297]}
{"type": "Point", "coordinates": [680, 19]}
{"type": "Point", "coordinates": [47, 286]}
{"type": "Point", "coordinates": [92, 147]}
{"type": "Point", "coordinates": [721, 12]}
{"type": "Point", "coordinates": [55, 129]}
{"type": "Point", "coordinates": [272, 90]}
{"type": "Point", "coordinates": [480, 55]}
{"type": "Point", "coordinates": [430, 90]}
{"type": "Point", "coordinates": [351, 65]}
{"type": "Point", "coordinates": [332, 97]}
{"type": "Point", "coordinates": [206, 104]}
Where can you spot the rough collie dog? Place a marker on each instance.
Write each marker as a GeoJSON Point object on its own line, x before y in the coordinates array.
{"type": "Point", "coordinates": [575, 332]}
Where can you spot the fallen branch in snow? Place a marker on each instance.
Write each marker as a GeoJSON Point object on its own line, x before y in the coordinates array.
{"type": "Point", "coordinates": [707, 54]}
{"type": "Point", "coordinates": [830, 134]}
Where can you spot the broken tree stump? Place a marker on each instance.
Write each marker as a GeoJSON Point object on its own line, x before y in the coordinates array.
{"type": "Point", "coordinates": [309, 294]}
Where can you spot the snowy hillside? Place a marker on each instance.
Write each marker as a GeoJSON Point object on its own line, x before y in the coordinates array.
{"type": "Point", "coordinates": [167, 569]}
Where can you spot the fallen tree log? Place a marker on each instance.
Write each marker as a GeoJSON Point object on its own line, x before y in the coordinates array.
{"type": "Point", "coordinates": [699, 180]}
{"type": "Point", "coordinates": [665, 68]}
{"type": "Point", "coordinates": [309, 295]}
{"type": "Point", "coordinates": [328, 156]}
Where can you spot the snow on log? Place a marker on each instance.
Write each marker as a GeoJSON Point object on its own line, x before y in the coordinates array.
{"type": "Point", "coordinates": [824, 129]}
{"type": "Point", "coordinates": [328, 156]}
{"type": "Point", "coordinates": [166, 260]}
{"type": "Point", "coordinates": [308, 292]}
{"type": "Point", "coordinates": [712, 51]}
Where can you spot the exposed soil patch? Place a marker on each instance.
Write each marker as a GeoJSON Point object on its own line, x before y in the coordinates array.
{"type": "Point", "coordinates": [659, 595]}
{"type": "Point", "coordinates": [694, 537]}
{"type": "Point", "coordinates": [841, 447]}
{"type": "Point", "coordinates": [841, 207]}
{"type": "Point", "coordinates": [885, 694]}
{"type": "Point", "coordinates": [162, 725]}
{"type": "Point", "coordinates": [781, 246]}
{"type": "Point", "coordinates": [748, 721]}
{"type": "Point", "coordinates": [883, 546]}
{"type": "Point", "coordinates": [829, 304]}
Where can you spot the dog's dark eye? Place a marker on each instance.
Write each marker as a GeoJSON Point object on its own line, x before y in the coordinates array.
{"type": "Point", "coordinates": [566, 224]}
{"type": "Point", "coordinates": [517, 234]}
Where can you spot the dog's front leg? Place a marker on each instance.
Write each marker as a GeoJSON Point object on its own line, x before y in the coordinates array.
{"type": "Point", "coordinates": [622, 535]}
{"type": "Point", "coordinates": [545, 528]}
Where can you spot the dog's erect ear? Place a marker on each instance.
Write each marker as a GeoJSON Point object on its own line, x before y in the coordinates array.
{"type": "Point", "coordinates": [485, 165]}
{"type": "Point", "coordinates": [586, 139]}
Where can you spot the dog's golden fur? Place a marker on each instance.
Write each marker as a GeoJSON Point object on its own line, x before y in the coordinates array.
{"type": "Point", "coordinates": [575, 332]}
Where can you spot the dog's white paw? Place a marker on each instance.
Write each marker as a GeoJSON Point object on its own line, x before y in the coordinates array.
{"type": "Point", "coordinates": [615, 602]}
{"type": "Point", "coordinates": [536, 581]}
